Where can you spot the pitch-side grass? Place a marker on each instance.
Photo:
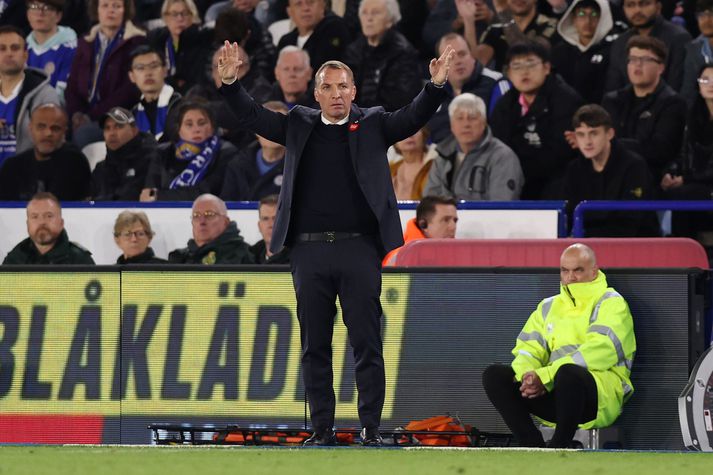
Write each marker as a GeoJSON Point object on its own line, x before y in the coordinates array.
{"type": "Point", "coordinates": [58, 460]}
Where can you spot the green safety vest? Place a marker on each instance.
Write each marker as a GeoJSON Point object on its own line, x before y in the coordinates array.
{"type": "Point", "coordinates": [587, 324]}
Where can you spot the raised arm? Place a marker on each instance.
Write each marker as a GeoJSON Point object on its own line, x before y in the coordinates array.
{"type": "Point", "coordinates": [251, 115]}
{"type": "Point", "coordinates": [409, 119]}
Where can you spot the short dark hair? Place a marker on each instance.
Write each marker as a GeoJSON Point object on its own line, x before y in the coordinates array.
{"type": "Point", "coordinates": [427, 207]}
{"type": "Point", "coordinates": [145, 49]}
{"type": "Point", "coordinates": [232, 25]}
{"type": "Point", "coordinates": [93, 10]}
{"type": "Point", "coordinates": [648, 43]}
{"type": "Point", "coordinates": [703, 5]}
{"type": "Point", "coordinates": [535, 46]}
{"type": "Point", "coordinates": [588, 4]}
{"type": "Point", "coordinates": [196, 103]}
{"type": "Point", "coordinates": [592, 115]}
{"type": "Point", "coordinates": [45, 195]}
{"type": "Point", "coordinates": [8, 29]}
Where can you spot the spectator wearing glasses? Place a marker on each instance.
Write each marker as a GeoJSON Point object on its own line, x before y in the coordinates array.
{"type": "Point", "coordinates": [216, 239]}
{"type": "Point", "coordinates": [185, 47]}
{"type": "Point", "coordinates": [155, 111]}
{"type": "Point", "coordinates": [582, 58]}
{"type": "Point", "coordinates": [648, 113]}
{"type": "Point", "coordinates": [532, 119]}
{"type": "Point", "coordinates": [698, 52]}
{"type": "Point", "coordinates": [50, 47]}
{"type": "Point", "coordinates": [644, 17]}
{"type": "Point", "coordinates": [473, 165]}
{"type": "Point", "coordinates": [133, 235]}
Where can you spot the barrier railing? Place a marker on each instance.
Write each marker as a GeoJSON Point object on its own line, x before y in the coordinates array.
{"type": "Point", "coordinates": [584, 206]}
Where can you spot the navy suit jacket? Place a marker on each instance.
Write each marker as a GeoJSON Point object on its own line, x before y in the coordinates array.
{"type": "Point", "coordinates": [371, 132]}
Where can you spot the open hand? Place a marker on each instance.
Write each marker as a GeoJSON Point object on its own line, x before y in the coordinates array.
{"type": "Point", "coordinates": [229, 62]}
{"type": "Point", "coordinates": [439, 67]}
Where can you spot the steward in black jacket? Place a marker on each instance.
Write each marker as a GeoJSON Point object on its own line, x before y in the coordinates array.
{"type": "Point", "coordinates": [63, 252]}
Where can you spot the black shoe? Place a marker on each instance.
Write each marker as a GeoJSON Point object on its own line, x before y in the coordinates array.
{"type": "Point", "coordinates": [370, 437]}
{"type": "Point", "coordinates": [323, 438]}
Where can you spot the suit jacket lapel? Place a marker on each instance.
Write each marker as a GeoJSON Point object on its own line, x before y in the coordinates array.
{"type": "Point", "coordinates": [306, 124]}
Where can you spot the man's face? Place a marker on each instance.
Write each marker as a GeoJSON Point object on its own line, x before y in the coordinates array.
{"type": "Point", "coordinates": [335, 92]}
{"type": "Point", "coordinates": [641, 13]}
{"type": "Point", "coordinates": [48, 126]}
{"type": "Point", "coordinates": [266, 221]}
{"type": "Point", "coordinates": [467, 128]}
{"type": "Point", "coordinates": [528, 73]}
{"type": "Point", "coordinates": [306, 13]}
{"type": "Point", "coordinates": [586, 21]}
{"type": "Point", "coordinates": [148, 73]}
{"type": "Point", "coordinates": [593, 142]}
{"type": "Point", "coordinates": [44, 222]}
{"type": "Point", "coordinates": [522, 7]}
{"type": "Point", "coordinates": [576, 267]}
{"type": "Point", "coordinates": [208, 220]}
{"type": "Point", "coordinates": [117, 135]}
{"type": "Point", "coordinates": [293, 73]}
{"type": "Point", "coordinates": [643, 68]}
{"type": "Point", "coordinates": [705, 23]}
{"type": "Point", "coordinates": [42, 17]}
{"type": "Point", "coordinates": [462, 64]}
{"type": "Point", "coordinates": [13, 55]}
{"type": "Point", "coordinates": [442, 223]}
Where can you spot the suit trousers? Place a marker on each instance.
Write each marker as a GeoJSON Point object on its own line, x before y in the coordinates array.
{"type": "Point", "coordinates": [572, 401]}
{"type": "Point", "coordinates": [351, 270]}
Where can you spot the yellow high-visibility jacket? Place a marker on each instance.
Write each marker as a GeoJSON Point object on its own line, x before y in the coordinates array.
{"type": "Point", "coordinates": [587, 324]}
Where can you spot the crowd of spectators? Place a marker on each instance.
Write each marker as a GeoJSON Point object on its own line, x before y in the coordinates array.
{"type": "Point", "coordinates": [140, 78]}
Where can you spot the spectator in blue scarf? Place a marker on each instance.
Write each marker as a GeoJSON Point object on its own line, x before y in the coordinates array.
{"type": "Point", "coordinates": [192, 165]}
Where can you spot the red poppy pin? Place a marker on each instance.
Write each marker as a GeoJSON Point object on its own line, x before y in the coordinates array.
{"type": "Point", "coordinates": [354, 126]}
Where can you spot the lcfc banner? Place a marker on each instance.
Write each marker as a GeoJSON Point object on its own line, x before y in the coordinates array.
{"type": "Point", "coordinates": [166, 344]}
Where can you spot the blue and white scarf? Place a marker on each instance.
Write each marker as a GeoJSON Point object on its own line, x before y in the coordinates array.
{"type": "Point", "coordinates": [199, 157]}
{"type": "Point", "coordinates": [142, 119]}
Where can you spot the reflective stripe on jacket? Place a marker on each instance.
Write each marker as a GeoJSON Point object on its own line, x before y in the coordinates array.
{"type": "Point", "coordinates": [587, 324]}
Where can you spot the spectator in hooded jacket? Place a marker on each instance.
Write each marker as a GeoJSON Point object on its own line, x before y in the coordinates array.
{"type": "Point", "coordinates": [385, 65]}
{"type": "Point", "coordinates": [582, 58]}
{"type": "Point", "coordinates": [473, 165]}
{"type": "Point", "coordinates": [121, 175]}
{"type": "Point", "coordinates": [185, 47]}
{"type": "Point", "coordinates": [21, 90]}
{"type": "Point", "coordinates": [50, 47]}
{"type": "Point", "coordinates": [532, 119]}
{"type": "Point", "coordinates": [322, 33]}
{"type": "Point", "coordinates": [98, 78]}
{"type": "Point", "coordinates": [193, 164]}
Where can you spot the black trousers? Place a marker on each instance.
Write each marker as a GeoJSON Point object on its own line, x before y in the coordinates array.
{"type": "Point", "coordinates": [572, 401]}
{"type": "Point", "coordinates": [351, 270]}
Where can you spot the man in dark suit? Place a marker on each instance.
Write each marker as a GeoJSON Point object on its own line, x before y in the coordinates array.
{"type": "Point", "coordinates": [337, 213]}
